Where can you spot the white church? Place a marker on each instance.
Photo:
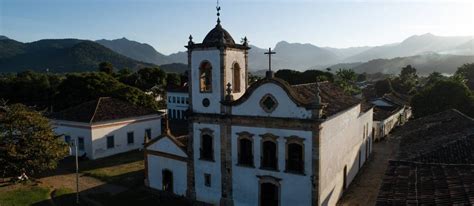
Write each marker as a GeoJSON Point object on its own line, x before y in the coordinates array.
{"type": "Point", "coordinates": [268, 143]}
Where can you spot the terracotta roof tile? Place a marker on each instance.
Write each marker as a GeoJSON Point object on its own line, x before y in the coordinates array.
{"type": "Point", "coordinates": [102, 109]}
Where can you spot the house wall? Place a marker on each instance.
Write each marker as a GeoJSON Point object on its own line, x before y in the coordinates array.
{"type": "Point", "coordinates": [342, 142]}
{"type": "Point", "coordinates": [63, 128]}
{"type": "Point", "coordinates": [295, 188]}
{"type": "Point", "coordinates": [285, 108]}
{"type": "Point", "coordinates": [119, 131]}
{"type": "Point", "coordinates": [204, 193]}
{"type": "Point", "coordinates": [384, 127]}
{"type": "Point", "coordinates": [176, 109]}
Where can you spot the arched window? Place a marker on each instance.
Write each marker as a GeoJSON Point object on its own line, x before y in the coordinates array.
{"type": "Point", "coordinates": [205, 77]}
{"type": "Point", "coordinates": [245, 152]}
{"type": "Point", "coordinates": [167, 180]}
{"type": "Point", "coordinates": [207, 150]}
{"type": "Point", "coordinates": [295, 162]}
{"type": "Point", "coordinates": [236, 78]}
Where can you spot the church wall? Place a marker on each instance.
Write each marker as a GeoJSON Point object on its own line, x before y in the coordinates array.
{"type": "Point", "coordinates": [235, 56]}
{"type": "Point", "coordinates": [204, 193]}
{"type": "Point", "coordinates": [213, 56]}
{"type": "Point", "coordinates": [168, 146]}
{"type": "Point", "coordinates": [342, 142]}
{"type": "Point", "coordinates": [285, 108]}
{"type": "Point", "coordinates": [119, 131]}
{"type": "Point", "coordinates": [156, 165]}
{"type": "Point", "coordinates": [295, 188]}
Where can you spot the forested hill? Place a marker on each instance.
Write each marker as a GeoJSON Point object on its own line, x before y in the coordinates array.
{"type": "Point", "coordinates": [60, 55]}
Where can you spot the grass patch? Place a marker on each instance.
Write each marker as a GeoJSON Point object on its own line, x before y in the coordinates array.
{"type": "Point", "coordinates": [124, 169]}
{"type": "Point", "coordinates": [24, 195]}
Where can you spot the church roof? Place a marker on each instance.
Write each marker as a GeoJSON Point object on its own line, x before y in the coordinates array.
{"type": "Point", "coordinates": [434, 164]}
{"type": "Point", "coordinates": [333, 98]}
{"type": "Point", "coordinates": [102, 109]}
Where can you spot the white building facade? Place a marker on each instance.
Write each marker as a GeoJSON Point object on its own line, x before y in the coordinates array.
{"type": "Point", "coordinates": [267, 144]}
{"type": "Point", "coordinates": [107, 132]}
{"type": "Point", "coordinates": [177, 103]}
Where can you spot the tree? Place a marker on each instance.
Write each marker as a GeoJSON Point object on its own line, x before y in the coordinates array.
{"type": "Point", "coordinates": [382, 87]}
{"type": "Point", "coordinates": [106, 67]}
{"type": "Point", "coordinates": [407, 80]}
{"type": "Point", "coordinates": [443, 95]}
{"type": "Point", "coordinates": [433, 78]}
{"type": "Point", "coordinates": [27, 142]}
{"type": "Point", "coordinates": [150, 77]}
{"type": "Point", "coordinates": [309, 76]}
{"type": "Point", "coordinates": [466, 71]}
{"type": "Point", "coordinates": [346, 78]}
{"type": "Point", "coordinates": [173, 79]}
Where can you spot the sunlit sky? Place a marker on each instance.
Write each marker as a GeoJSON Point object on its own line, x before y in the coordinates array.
{"type": "Point", "coordinates": [166, 24]}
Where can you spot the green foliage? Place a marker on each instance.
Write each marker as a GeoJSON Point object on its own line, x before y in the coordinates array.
{"type": "Point", "coordinates": [27, 142]}
{"type": "Point", "coordinates": [309, 76]}
{"type": "Point", "coordinates": [443, 95]}
{"type": "Point", "coordinates": [433, 78]}
{"type": "Point", "coordinates": [106, 67]}
{"type": "Point", "coordinates": [173, 79]}
{"type": "Point", "coordinates": [30, 88]}
{"type": "Point", "coordinates": [346, 79]}
{"type": "Point", "coordinates": [466, 72]}
{"type": "Point", "coordinates": [382, 87]}
{"type": "Point", "coordinates": [406, 82]}
{"type": "Point", "coordinates": [79, 88]}
{"type": "Point", "coordinates": [253, 78]}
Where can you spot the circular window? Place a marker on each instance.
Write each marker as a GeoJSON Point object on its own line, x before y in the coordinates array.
{"type": "Point", "coordinates": [206, 102]}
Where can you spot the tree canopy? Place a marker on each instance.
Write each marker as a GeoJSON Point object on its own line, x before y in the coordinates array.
{"type": "Point", "coordinates": [309, 76]}
{"type": "Point", "coordinates": [27, 142]}
{"type": "Point", "coordinates": [443, 95]}
{"type": "Point", "coordinates": [466, 71]}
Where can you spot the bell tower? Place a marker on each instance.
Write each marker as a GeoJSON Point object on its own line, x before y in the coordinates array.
{"type": "Point", "coordinates": [218, 68]}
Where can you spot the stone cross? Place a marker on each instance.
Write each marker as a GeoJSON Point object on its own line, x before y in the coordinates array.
{"type": "Point", "coordinates": [269, 53]}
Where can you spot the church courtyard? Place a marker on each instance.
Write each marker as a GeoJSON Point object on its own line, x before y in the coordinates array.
{"type": "Point", "coordinates": [365, 187]}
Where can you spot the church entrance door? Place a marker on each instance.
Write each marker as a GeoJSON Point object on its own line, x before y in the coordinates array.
{"type": "Point", "coordinates": [269, 194]}
{"type": "Point", "coordinates": [167, 181]}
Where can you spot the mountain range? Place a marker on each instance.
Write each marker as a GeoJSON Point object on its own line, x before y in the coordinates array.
{"type": "Point", "coordinates": [427, 52]}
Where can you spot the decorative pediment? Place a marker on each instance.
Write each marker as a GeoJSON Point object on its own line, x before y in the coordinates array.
{"type": "Point", "coordinates": [269, 136]}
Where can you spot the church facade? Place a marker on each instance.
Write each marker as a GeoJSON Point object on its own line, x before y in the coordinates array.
{"type": "Point", "coordinates": [268, 143]}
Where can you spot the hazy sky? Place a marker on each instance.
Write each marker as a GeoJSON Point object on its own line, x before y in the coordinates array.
{"type": "Point", "coordinates": [166, 24]}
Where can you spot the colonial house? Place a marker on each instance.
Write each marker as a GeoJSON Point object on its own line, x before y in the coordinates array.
{"type": "Point", "coordinates": [106, 126]}
{"type": "Point", "coordinates": [434, 164]}
{"type": "Point", "coordinates": [177, 102]}
{"type": "Point", "coordinates": [391, 110]}
{"type": "Point", "coordinates": [269, 143]}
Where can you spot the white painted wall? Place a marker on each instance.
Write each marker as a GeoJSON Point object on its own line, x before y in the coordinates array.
{"type": "Point", "coordinates": [157, 164]}
{"type": "Point", "coordinates": [286, 107]}
{"type": "Point", "coordinates": [72, 129]}
{"type": "Point", "coordinates": [295, 188]}
{"type": "Point", "coordinates": [213, 56]}
{"type": "Point", "coordinates": [341, 141]}
{"type": "Point", "coordinates": [382, 128]}
{"type": "Point", "coordinates": [173, 105]}
{"type": "Point", "coordinates": [99, 135]}
{"type": "Point", "coordinates": [210, 194]}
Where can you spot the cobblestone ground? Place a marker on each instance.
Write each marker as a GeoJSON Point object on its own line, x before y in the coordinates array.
{"type": "Point", "coordinates": [364, 189]}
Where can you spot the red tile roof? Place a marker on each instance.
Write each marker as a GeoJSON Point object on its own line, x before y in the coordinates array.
{"type": "Point", "coordinates": [102, 109]}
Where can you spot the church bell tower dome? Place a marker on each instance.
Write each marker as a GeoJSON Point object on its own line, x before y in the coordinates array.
{"type": "Point", "coordinates": [218, 35]}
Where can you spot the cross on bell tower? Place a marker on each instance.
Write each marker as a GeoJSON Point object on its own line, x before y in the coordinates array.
{"type": "Point", "coordinates": [269, 73]}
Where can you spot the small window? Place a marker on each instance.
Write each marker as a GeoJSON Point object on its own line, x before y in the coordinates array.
{"type": "Point", "coordinates": [269, 155]}
{"type": "Point", "coordinates": [207, 180]}
{"type": "Point", "coordinates": [268, 103]}
{"type": "Point", "coordinates": [130, 138]}
{"type": "Point", "coordinates": [174, 99]}
{"type": "Point", "coordinates": [205, 77]}
{"type": "Point", "coordinates": [236, 78]}
{"type": "Point", "coordinates": [169, 99]}
{"type": "Point", "coordinates": [67, 139]}
{"type": "Point", "coordinates": [245, 152]}
{"type": "Point", "coordinates": [148, 134]}
{"type": "Point", "coordinates": [295, 161]}
{"type": "Point", "coordinates": [187, 100]}
{"type": "Point", "coordinates": [110, 142]}
{"type": "Point", "coordinates": [80, 143]}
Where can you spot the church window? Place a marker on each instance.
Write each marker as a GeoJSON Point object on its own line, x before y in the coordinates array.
{"type": "Point", "coordinates": [207, 149]}
{"type": "Point", "coordinates": [245, 149]}
{"type": "Point", "coordinates": [236, 78]}
{"type": "Point", "coordinates": [268, 103]}
{"type": "Point", "coordinates": [130, 138]}
{"type": "Point", "coordinates": [207, 180]}
{"type": "Point", "coordinates": [110, 142]}
{"type": "Point", "coordinates": [80, 143]}
{"type": "Point", "coordinates": [206, 102]}
{"type": "Point", "coordinates": [269, 158]}
{"type": "Point", "coordinates": [294, 154]}
{"type": "Point", "coordinates": [205, 77]}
